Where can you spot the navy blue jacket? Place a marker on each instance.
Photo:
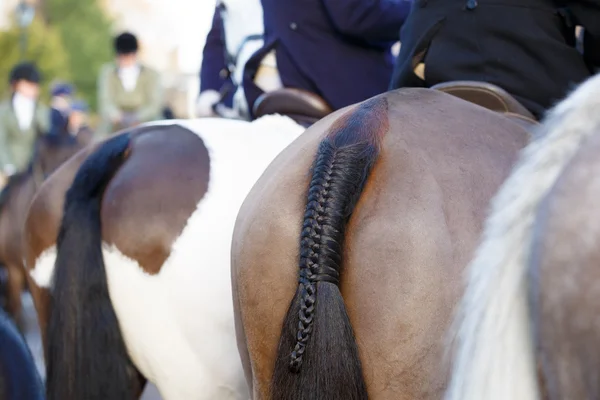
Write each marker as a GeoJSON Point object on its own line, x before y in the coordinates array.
{"type": "Point", "coordinates": [527, 47]}
{"type": "Point", "coordinates": [213, 71]}
{"type": "Point", "coordinates": [338, 49]}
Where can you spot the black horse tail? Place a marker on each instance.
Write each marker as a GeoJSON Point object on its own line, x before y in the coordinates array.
{"type": "Point", "coordinates": [86, 357]}
{"type": "Point", "coordinates": [318, 355]}
{"type": "Point", "coordinates": [19, 378]}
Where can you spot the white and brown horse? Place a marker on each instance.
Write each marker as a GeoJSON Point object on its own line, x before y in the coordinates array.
{"type": "Point", "coordinates": [529, 322]}
{"type": "Point", "coordinates": [348, 252]}
{"type": "Point", "coordinates": [137, 286]}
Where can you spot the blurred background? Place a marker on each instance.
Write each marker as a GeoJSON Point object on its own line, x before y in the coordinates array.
{"type": "Point", "coordinates": [70, 40]}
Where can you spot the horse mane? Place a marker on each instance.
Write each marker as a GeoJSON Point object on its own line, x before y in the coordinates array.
{"type": "Point", "coordinates": [493, 349]}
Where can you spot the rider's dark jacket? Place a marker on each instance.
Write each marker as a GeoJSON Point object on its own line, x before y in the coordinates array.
{"type": "Point", "coordinates": [213, 71]}
{"type": "Point", "coordinates": [338, 49]}
{"type": "Point", "coordinates": [527, 47]}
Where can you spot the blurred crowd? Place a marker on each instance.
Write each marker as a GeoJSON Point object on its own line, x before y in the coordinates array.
{"type": "Point", "coordinates": [129, 93]}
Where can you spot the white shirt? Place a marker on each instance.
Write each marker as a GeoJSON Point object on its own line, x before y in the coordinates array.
{"type": "Point", "coordinates": [24, 110]}
{"type": "Point", "coordinates": [129, 77]}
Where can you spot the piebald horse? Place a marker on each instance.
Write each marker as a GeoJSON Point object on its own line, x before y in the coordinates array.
{"type": "Point", "coordinates": [19, 379]}
{"type": "Point", "coordinates": [528, 327]}
{"type": "Point", "coordinates": [347, 253]}
{"type": "Point", "coordinates": [49, 153]}
{"type": "Point", "coordinates": [136, 286]}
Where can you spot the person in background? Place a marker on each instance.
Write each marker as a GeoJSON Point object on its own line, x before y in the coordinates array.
{"type": "Point", "coordinates": [339, 50]}
{"type": "Point", "coordinates": [78, 122]}
{"type": "Point", "coordinates": [526, 47]}
{"type": "Point", "coordinates": [235, 35]}
{"type": "Point", "coordinates": [129, 93]}
{"type": "Point", "coordinates": [22, 119]}
{"type": "Point", "coordinates": [214, 74]}
{"type": "Point", "coordinates": [60, 104]}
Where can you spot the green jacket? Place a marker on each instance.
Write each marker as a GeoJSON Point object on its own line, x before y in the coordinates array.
{"type": "Point", "coordinates": [16, 146]}
{"type": "Point", "coordinates": [145, 101]}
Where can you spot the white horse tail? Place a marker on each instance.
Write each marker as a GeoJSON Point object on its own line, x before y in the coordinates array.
{"type": "Point", "coordinates": [493, 351]}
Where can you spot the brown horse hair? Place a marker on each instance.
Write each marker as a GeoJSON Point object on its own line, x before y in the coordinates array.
{"type": "Point", "coordinates": [86, 354]}
{"type": "Point", "coordinates": [318, 356]}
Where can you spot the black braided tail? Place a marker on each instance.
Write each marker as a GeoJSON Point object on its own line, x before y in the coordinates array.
{"type": "Point", "coordinates": [318, 356]}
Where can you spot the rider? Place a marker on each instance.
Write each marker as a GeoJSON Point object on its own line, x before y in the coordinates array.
{"type": "Point", "coordinates": [527, 47]}
{"type": "Point", "coordinates": [339, 50]}
{"type": "Point", "coordinates": [214, 75]}
{"type": "Point", "coordinates": [129, 93]}
{"type": "Point", "coordinates": [60, 104]}
{"type": "Point", "coordinates": [22, 119]}
{"type": "Point", "coordinates": [236, 33]}
{"type": "Point", "coordinates": [78, 122]}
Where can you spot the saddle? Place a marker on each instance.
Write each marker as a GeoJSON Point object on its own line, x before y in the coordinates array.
{"type": "Point", "coordinates": [491, 97]}
{"type": "Point", "coordinates": [302, 106]}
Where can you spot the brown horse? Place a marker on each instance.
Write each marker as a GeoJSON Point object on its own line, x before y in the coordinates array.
{"type": "Point", "coordinates": [528, 326]}
{"type": "Point", "coordinates": [132, 280]}
{"type": "Point", "coordinates": [347, 253]}
{"type": "Point", "coordinates": [49, 153]}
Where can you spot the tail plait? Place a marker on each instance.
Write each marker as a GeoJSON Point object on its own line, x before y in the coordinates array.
{"type": "Point", "coordinates": [318, 356]}
{"type": "Point", "coordinates": [87, 358]}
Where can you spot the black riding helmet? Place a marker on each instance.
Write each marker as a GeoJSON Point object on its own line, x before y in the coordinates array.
{"type": "Point", "coordinates": [126, 43]}
{"type": "Point", "coordinates": [25, 71]}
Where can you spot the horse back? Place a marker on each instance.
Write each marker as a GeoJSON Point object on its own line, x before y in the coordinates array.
{"type": "Point", "coordinates": [411, 233]}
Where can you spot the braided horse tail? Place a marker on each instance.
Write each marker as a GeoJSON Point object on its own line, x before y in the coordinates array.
{"type": "Point", "coordinates": [318, 356]}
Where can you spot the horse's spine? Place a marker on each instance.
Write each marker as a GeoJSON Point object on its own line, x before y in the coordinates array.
{"type": "Point", "coordinates": [318, 356]}
{"type": "Point", "coordinates": [86, 354]}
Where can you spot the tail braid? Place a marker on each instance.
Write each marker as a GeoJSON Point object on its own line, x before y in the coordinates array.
{"type": "Point", "coordinates": [321, 238]}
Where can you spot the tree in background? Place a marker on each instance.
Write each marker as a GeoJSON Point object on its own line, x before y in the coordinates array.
{"type": "Point", "coordinates": [86, 35]}
{"type": "Point", "coordinates": [44, 47]}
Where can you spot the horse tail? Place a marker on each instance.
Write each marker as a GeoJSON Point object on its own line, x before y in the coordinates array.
{"type": "Point", "coordinates": [318, 355]}
{"type": "Point", "coordinates": [19, 378]}
{"type": "Point", "coordinates": [494, 354]}
{"type": "Point", "coordinates": [86, 357]}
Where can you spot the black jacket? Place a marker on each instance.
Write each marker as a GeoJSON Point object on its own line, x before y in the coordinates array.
{"type": "Point", "coordinates": [527, 47]}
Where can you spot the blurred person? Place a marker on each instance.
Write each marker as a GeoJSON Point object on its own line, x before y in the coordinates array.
{"type": "Point", "coordinates": [129, 93]}
{"type": "Point", "coordinates": [78, 125]}
{"type": "Point", "coordinates": [60, 103]}
{"type": "Point", "coordinates": [22, 119]}
{"type": "Point", "coordinates": [339, 50]}
{"type": "Point", "coordinates": [235, 34]}
{"type": "Point", "coordinates": [526, 47]}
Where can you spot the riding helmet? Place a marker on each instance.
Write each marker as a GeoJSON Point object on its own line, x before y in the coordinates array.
{"type": "Point", "coordinates": [25, 71]}
{"type": "Point", "coordinates": [126, 43]}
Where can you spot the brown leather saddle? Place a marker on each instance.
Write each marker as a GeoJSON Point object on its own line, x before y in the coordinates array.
{"type": "Point", "coordinates": [306, 108]}
{"type": "Point", "coordinates": [491, 97]}
{"type": "Point", "coordinates": [302, 106]}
